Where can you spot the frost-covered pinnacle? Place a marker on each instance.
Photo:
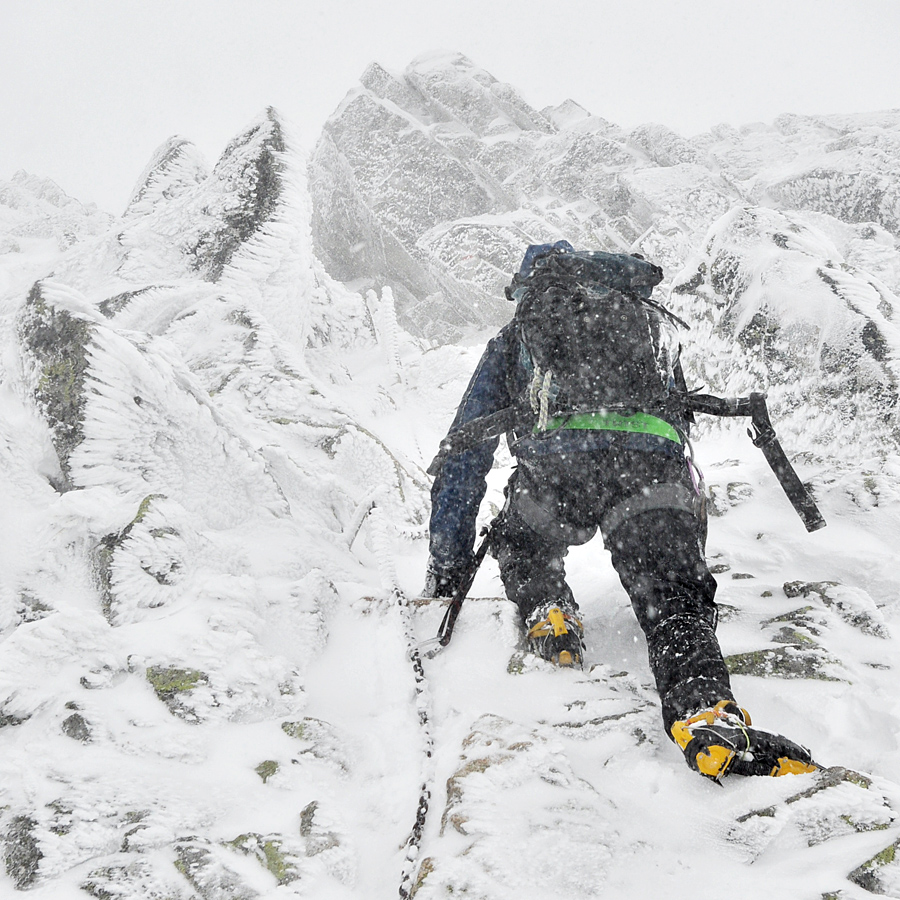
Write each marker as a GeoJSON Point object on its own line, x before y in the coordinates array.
{"type": "Point", "coordinates": [177, 166]}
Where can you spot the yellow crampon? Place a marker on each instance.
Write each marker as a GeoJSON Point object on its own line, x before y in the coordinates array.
{"type": "Point", "coordinates": [725, 741]}
{"type": "Point", "coordinates": [712, 761]}
{"type": "Point", "coordinates": [554, 627]}
{"type": "Point", "coordinates": [788, 766]}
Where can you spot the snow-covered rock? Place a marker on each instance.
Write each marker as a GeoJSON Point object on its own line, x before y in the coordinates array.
{"type": "Point", "coordinates": [173, 448]}
{"type": "Point", "coordinates": [215, 412]}
{"type": "Point", "coordinates": [434, 180]}
{"type": "Point", "coordinates": [34, 209]}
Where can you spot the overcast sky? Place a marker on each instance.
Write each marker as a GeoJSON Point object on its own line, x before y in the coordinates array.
{"type": "Point", "coordinates": [91, 87]}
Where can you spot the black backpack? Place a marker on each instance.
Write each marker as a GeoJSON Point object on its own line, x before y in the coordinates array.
{"type": "Point", "coordinates": [587, 318]}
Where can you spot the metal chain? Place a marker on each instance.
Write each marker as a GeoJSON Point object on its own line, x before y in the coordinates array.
{"type": "Point", "coordinates": [423, 707]}
{"type": "Point", "coordinates": [384, 558]}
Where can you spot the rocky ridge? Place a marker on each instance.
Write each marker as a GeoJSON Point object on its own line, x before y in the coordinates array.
{"type": "Point", "coordinates": [192, 471]}
{"type": "Point", "coordinates": [204, 691]}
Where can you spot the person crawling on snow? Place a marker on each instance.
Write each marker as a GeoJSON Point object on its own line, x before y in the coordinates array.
{"type": "Point", "coordinates": [589, 371]}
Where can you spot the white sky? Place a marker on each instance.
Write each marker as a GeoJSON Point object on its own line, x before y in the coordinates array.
{"type": "Point", "coordinates": [91, 87]}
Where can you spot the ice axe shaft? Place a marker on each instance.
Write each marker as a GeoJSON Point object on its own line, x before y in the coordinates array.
{"type": "Point", "coordinates": [457, 598]}
{"type": "Point", "coordinates": [763, 436]}
{"type": "Point", "coordinates": [765, 439]}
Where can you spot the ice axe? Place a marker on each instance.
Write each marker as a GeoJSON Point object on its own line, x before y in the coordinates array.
{"type": "Point", "coordinates": [433, 646]}
{"type": "Point", "coordinates": [763, 436]}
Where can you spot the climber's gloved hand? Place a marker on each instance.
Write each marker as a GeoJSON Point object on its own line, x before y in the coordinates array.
{"type": "Point", "coordinates": [441, 582]}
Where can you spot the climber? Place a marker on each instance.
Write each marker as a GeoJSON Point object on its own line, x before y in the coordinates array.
{"type": "Point", "coordinates": [588, 375]}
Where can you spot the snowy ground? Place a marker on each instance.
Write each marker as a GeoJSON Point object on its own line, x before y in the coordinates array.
{"type": "Point", "coordinates": [204, 682]}
{"type": "Point", "coordinates": [546, 783]}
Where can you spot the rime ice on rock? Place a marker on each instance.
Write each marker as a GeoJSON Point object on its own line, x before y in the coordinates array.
{"type": "Point", "coordinates": [196, 420]}
{"type": "Point", "coordinates": [175, 168]}
{"type": "Point", "coordinates": [434, 179]}
{"type": "Point", "coordinates": [776, 306]}
{"type": "Point", "coordinates": [185, 367]}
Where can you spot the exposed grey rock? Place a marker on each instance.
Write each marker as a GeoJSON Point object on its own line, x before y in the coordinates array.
{"type": "Point", "coordinates": [853, 605]}
{"type": "Point", "coordinates": [802, 618]}
{"type": "Point", "coordinates": [161, 558]}
{"type": "Point", "coordinates": [77, 727]}
{"type": "Point", "coordinates": [105, 553]}
{"type": "Point", "coordinates": [801, 659]}
{"type": "Point", "coordinates": [115, 304]}
{"type": "Point", "coordinates": [57, 342]}
{"type": "Point", "coordinates": [318, 838]}
{"type": "Point", "coordinates": [30, 608]}
{"type": "Point", "coordinates": [273, 853]}
{"type": "Point", "coordinates": [203, 866]}
{"type": "Point", "coordinates": [7, 718]}
{"type": "Point", "coordinates": [62, 817]}
{"type": "Point", "coordinates": [880, 874]}
{"type": "Point", "coordinates": [319, 740]}
{"type": "Point", "coordinates": [267, 769]}
{"type": "Point", "coordinates": [721, 498]}
{"type": "Point", "coordinates": [833, 803]}
{"type": "Point", "coordinates": [173, 685]}
{"type": "Point", "coordinates": [22, 851]}
{"type": "Point", "coordinates": [134, 879]}
{"type": "Point", "coordinates": [103, 677]}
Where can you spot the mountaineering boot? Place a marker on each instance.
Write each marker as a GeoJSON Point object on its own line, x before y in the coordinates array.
{"type": "Point", "coordinates": [719, 741]}
{"type": "Point", "coordinates": [556, 634]}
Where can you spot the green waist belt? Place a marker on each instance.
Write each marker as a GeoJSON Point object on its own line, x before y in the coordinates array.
{"type": "Point", "coordinates": [641, 423]}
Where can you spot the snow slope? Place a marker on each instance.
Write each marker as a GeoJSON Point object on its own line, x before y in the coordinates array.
{"type": "Point", "coordinates": [212, 465]}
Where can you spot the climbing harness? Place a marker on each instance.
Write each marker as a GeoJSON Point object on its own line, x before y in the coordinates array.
{"type": "Point", "coordinates": [762, 433]}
